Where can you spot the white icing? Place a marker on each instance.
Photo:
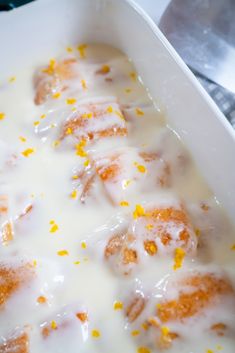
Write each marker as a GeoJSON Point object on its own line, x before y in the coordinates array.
{"type": "Point", "coordinates": [44, 180]}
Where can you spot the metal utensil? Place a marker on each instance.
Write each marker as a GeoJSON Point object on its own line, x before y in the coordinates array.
{"type": "Point", "coordinates": [203, 33]}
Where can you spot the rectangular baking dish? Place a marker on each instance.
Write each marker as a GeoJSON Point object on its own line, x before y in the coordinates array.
{"type": "Point", "coordinates": [43, 27]}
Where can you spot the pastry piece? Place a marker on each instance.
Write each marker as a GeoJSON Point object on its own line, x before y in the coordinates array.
{"type": "Point", "coordinates": [7, 232]}
{"type": "Point", "coordinates": [163, 314]}
{"type": "Point", "coordinates": [55, 78]}
{"type": "Point", "coordinates": [8, 223]}
{"type": "Point", "coordinates": [127, 170]}
{"type": "Point", "coordinates": [15, 344]}
{"type": "Point", "coordinates": [124, 172]}
{"type": "Point", "coordinates": [197, 292]}
{"type": "Point", "coordinates": [154, 230]}
{"type": "Point", "coordinates": [70, 325]}
{"type": "Point", "coordinates": [3, 204]}
{"type": "Point", "coordinates": [94, 121]}
{"type": "Point", "coordinates": [83, 181]}
{"type": "Point", "coordinates": [13, 278]}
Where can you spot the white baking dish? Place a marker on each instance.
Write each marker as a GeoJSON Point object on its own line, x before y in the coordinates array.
{"type": "Point", "coordinates": [44, 26]}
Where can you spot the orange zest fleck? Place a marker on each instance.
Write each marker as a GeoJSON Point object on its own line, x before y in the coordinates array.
{"type": "Point", "coordinates": [119, 114]}
{"type": "Point", "coordinates": [62, 253]}
{"type": "Point", "coordinates": [126, 183]}
{"type": "Point", "coordinates": [53, 325]}
{"type": "Point", "coordinates": [95, 333]}
{"type": "Point", "coordinates": [165, 331]}
{"type": "Point", "coordinates": [128, 90]}
{"type": "Point", "coordinates": [75, 177]}
{"type": "Point", "coordinates": [54, 228]}
{"type": "Point", "coordinates": [69, 49]}
{"type": "Point", "coordinates": [83, 317]}
{"type": "Point", "coordinates": [141, 168]}
{"type": "Point", "coordinates": [41, 299]}
{"type": "Point", "coordinates": [80, 149]}
{"type": "Point", "coordinates": [83, 245]}
{"type": "Point", "coordinates": [135, 333]}
{"type": "Point", "coordinates": [150, 247]}
{"type": "Point", "coordinates": [36, 123]}
{"type": "Point", "coordinates": [138, 212]}
{"type": "Point", "coordinates": [118, 305]}
{"type": "Point", "coordinates": [71, 100]}
{"type": "Point", "coordinates": [179, 258]}
{"type": "Point", "coordinates": [73, 194]}
{"type": "Point", "coordinates": [12, 79]}
{"type": "Point", "coordinates": [51, 67]}
{"type": "Point", "coordinates": [22, 139]}
{"type": "Point", "coordinates": [145, 326]}
{"type": "Point", "coordinates": [233, 247]}
{"type": "Point", "coordinates": [133, 75]}
{"type": "Point", "coordinates": [110, 109]}
{"type": "Point", "coordinates": [83, 83]}
{"type": "Point", "coordinates": [82, 50]}
{"type": "Point", "coordinates": [56, 95]}
{"type": "Point", "coordinates": [27, 152]}
{"type": "Point", "coordinates": [139, 112]}
{"type": "Point", "coordinates": [124, 203]}
{"type": "Point", "coordinates": [43, 116]}
{"type": "Point", "coordinates": [87, 115]}
{"type": "Point", "coordinates": [69, 131]}
{"type": "Point", "coordinates": [55, 143]}
{"type": "Point", "coordinates": [105, 69]}
{"type": "Point", "coordinates": [149, 226]}
{"type": "Point", "coordinates": [143, 350]}
{"type": "Point", "coordinates": [86, 163]}
{"type": "Point", "coordinates": [2, 116]}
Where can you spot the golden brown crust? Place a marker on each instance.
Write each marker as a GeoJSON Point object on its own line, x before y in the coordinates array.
{"type": "Point", "coordinates": [104, 70]}
{"type": "Point", "coordinates": [43, 90]}
{"type": "Point", "coordinates": [47, 80]}
{"type": "Point", "coordinates": [7, 233]}
{"type": "Point", "coordinates": [83, 317]}
{"type": "Point", "coordinates": [80, 121]}
{"type": "Point", "coordinates": [135, 308]}
{"type": "Point", "coordinates": [149, 156]}
{"type": "Point", "coordinates": [109, 172]}
{"type": "Point", "coordinates": [114, 245]}
{"type": "Point", "coordinates": [168, 214]}
{"type": "Point", "coordinates": [12, 279]}
{"type": "Point", "coordinates": [165, 341]}
{"type": "Point", "coordinates": [164, 179]}
{"type": "Point", "coordinates": [26, 211]}
{"type": "Point", "coordinates": [3, 204]}
{"type": "Point", "coordinates": [204, 206]}
{"type": "Point", "coordinates": [219, 328]}
{"type": "Point", "coordinates": [19, 344]}
{"type": "Point", "coordinates": [150, 247]}
{"type": "Point", "coordinates": [163, 216]}
{"type": "Point", "coordinates": [77, 123]}
{"type": "Point", "coordinates": [129, 256]}
{"type": "Point", "coordinates": [87, 185]}
{"type": "Point", "coordinates": [46, 331]}
{"type": "Point", "coordinates": [205, 289]}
